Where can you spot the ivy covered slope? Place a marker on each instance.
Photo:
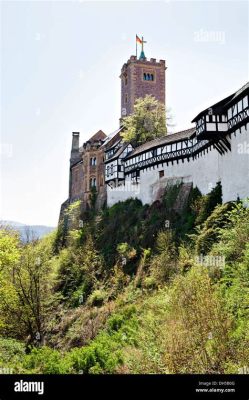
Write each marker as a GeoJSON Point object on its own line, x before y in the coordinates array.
{"type": "Point", "coordinates": [133, 289]}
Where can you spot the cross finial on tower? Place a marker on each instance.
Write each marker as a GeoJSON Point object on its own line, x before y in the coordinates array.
{"type": "Point", "coordinates": [142, 55]}
{"type": "Point", "coordinates": [140, 41]}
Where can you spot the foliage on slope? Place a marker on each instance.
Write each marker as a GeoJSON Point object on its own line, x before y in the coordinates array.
{"type": "Point", "coordinates": [139, 301]}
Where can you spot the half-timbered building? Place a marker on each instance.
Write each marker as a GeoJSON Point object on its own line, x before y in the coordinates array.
{"type": "Point", "coordinates": [213, 150]}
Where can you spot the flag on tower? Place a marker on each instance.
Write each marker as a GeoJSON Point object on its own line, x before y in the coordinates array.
{"type": "Point", "coordinates": [138, 40]}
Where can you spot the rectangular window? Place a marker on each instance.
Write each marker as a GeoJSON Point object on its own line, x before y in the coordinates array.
{"type": "Point", "coordinates": [245, 102]}
{"type": "Point", "coordinates": [161, 174]}
{"type": "Point", "coordinates": [240, 106]}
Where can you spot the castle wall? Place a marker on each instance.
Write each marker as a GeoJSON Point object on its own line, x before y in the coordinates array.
{"type": "Point", "coordinates": [77, 177]}
{"type": "Point", "coordinates": [231, 169]}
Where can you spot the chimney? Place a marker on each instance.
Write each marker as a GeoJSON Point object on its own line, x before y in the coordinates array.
{"type": "Point", "coordinates": [75, 147]}
{"type": "Point", "coordinates": [75, 141]}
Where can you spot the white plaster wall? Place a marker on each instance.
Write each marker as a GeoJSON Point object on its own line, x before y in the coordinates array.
{"type": "Point", "coordinates": [232, 169]}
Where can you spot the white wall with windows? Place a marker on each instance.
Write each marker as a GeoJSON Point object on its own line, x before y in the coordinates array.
{"type": "Point", "coordinates": [231, 168]}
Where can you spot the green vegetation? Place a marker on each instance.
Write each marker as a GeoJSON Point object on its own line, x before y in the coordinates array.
{"type": "Point", "coordinates": [147, 122]}
{"type": "Point", "coordinates": [136, 289]}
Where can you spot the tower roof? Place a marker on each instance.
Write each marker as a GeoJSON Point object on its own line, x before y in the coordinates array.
{"type": "Point", "coordinates": [142, 55]}
{"type": "Point", "coordinates": [100, 135]}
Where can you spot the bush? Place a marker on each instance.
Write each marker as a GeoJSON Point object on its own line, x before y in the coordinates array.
{"type": "Point", "coordinates": [97, 298]}
{"type": "Point", "coordinates": [210, 231]}
{"type": "Point", "coordinates": [45, 360]}
{"type": "Point", "coordinates": [101, 356]}
{"type": "Point", "coordinates": [12, 353]}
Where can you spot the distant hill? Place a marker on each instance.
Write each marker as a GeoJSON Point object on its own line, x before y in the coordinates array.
{"type": "Point", "coordinates": [28, 231]}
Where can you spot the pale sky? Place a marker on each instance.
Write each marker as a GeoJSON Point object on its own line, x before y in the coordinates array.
{"type": "Point", "coordinates": [60, 66]}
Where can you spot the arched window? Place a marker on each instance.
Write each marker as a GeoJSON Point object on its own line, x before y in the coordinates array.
{"type": "Point", "coordinates": [93, 182]}
{"type": "Point", "coordinates": [93, 161]}
{"type": "Point", "coordinates": [148, 77]}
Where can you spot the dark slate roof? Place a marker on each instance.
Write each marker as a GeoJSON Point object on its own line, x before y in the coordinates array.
{"type": "Point", "coordinates": [240, 91]}
{"type": "Point", "coordinates": [100, 135]}
{"type": "Point", "coordinates": [111, 136]}
{"type": "Point", "coordinates": [117, 154]}
{"type": "Point", "coordinates": [217, 107]}
{"type": "Point", "coordinates": [170, 138]}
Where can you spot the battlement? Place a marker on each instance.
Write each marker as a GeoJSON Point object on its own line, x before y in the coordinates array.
{"type": "Point", "coordinates": [134, 59]}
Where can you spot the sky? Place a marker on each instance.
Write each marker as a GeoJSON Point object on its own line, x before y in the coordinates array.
{"type": "Point", "coordinates": [60, 67]}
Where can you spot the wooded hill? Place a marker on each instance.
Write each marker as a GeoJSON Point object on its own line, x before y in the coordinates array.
{"type": "Point", "coordinates": [131, 289]}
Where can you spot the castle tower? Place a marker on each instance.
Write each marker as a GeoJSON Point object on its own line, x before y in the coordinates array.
{"type": "Point", "coordinates": [140, 77]}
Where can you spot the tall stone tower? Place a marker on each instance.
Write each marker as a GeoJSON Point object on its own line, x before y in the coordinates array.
{"type": "Point", "coordinates": [140, 77]}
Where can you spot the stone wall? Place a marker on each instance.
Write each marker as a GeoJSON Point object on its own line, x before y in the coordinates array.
{"type": "Point", "coordinates": [133, 85]}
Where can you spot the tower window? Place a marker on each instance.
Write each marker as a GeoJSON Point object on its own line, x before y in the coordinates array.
{"type": "Point", "coordinates": [148, 77]}
{"type": "Point", "coordinates": [126, 98]}
{"type": "Point", "coordinates": [93, 161]}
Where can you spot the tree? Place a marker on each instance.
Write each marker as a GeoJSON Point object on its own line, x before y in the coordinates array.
{"type": "Point", "coordinates": [26, 281]}
{"type": "Point", "coordinates": [148, 121]}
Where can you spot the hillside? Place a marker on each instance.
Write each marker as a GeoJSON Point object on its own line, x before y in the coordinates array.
{"type": "Point", "coordinates": [137, 289]}
{"type": "Point", "coordinates": [28, 231]}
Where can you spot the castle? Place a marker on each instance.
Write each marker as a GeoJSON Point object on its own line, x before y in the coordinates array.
{"type": "Point", "coordinates": [215, 150]}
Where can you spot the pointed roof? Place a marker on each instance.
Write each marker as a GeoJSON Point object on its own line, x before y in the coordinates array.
{"type": "Point", "coordinates": [100, 135]}
{"type": "Point", "coordinates": [112, 135]}
{"type": "Point", "coordinates": [142, 56]}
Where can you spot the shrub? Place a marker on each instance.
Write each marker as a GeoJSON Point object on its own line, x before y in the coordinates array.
{"type": "Point", "coordinates": [101, 356]}
{"type": "Point", "coordinates": [12, 353]}
{"type": "Point", "coordinates": [97, 298]}
{"type": "Point", "coordinates": [45, 360]}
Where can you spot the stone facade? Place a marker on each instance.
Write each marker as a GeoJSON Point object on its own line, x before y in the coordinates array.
{"type": "Point", "coordinates": [87, 170]}
{"type": "Point", "coordinates": [139, 78]}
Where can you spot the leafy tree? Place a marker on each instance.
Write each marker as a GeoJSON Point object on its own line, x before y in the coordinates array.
{"type": "Point", "coordinates": [147, 122]}
{"type": "Point", "coordinates": [26, 290]}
